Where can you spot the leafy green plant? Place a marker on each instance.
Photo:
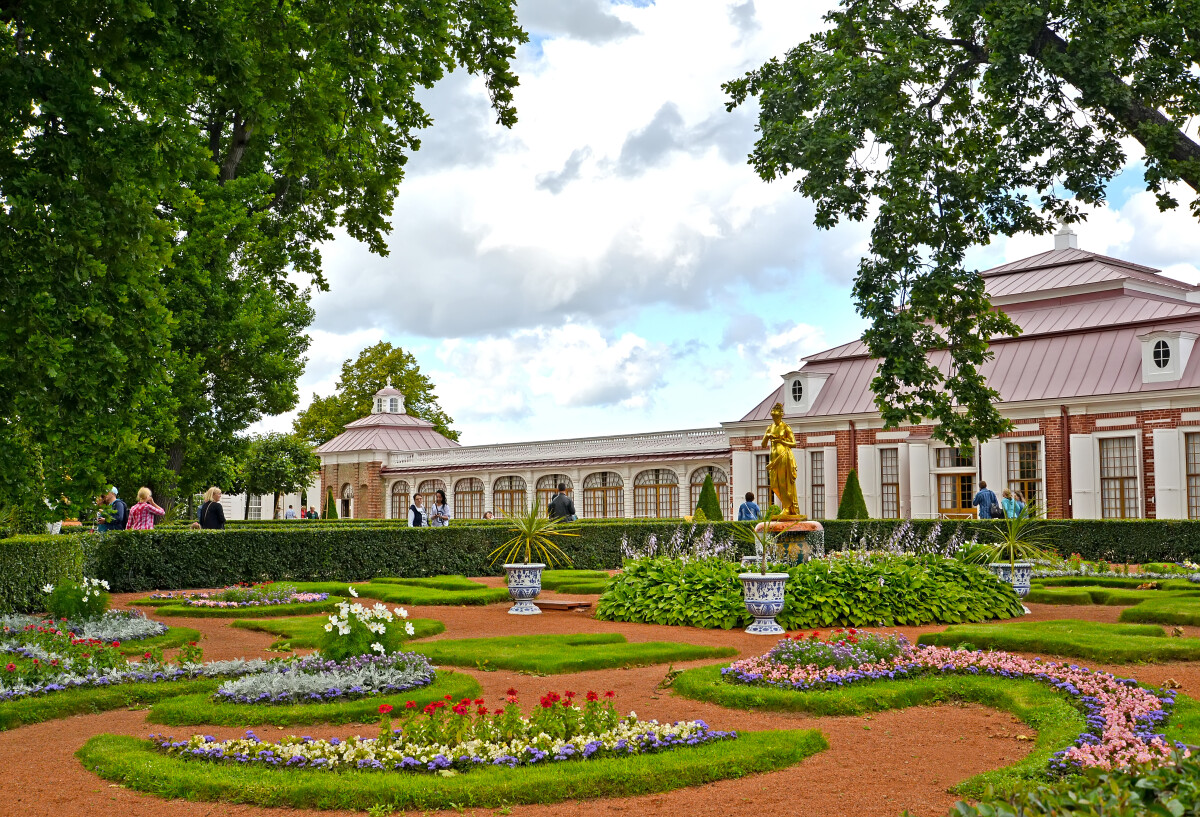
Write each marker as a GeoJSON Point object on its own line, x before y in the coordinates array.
{"type": "Point", "coordinates": [330, 506]}
{"type": "Point", "coordinates": [533, 535]}
{"type": "Point", "coordinates": [358, 630]}
{"type": "Point", "coordinates": [853, 504]}
{"type": "Point", "coordinates": [1020, 538]}
{"type": "Point", "coordinates": [86, 599]}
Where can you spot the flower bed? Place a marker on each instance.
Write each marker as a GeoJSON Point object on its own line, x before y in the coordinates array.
{"type": "Point", "coordinates": [114, 625]}
{"type": "Point", "coordinates": [1121, 716]}
{"type": "Point", "coordinates": [314, 680]}
{"type": "Point", "coordinates": [242, 596]}
{"type": "Point", "coordinates": [463, 735]}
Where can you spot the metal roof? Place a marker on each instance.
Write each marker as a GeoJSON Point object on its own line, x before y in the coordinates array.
{"type": "Point", "coordinates": [387, 432]}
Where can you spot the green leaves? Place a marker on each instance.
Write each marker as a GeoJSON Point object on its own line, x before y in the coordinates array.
{"type": "Point", "coordinates": [947, 123]}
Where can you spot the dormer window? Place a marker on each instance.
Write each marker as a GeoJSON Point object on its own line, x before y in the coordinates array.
{"type": "Point", "coordinates": [378, 405]}
{"type": "Point", "coordinates": [1165, 355]}
{"type": "Point", "coordinates": [797, 390]}
{"type": "Point", "coordinates": [394, 405]}
{"type": "Point", "coordinates": [800, 390]}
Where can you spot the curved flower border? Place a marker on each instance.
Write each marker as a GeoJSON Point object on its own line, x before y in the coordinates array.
{"type": "Point", "coordinates": [382, 670]}
{"type": "Point", "coordinates": [1122, 718]}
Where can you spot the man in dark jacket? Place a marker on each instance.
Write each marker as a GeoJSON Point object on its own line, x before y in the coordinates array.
{"type": "Point", "coordinates": [117, 512]}
{"type": "Point", "coordinates": [561, 506]}
{"type": "Point", "coordinates": [986, 501]}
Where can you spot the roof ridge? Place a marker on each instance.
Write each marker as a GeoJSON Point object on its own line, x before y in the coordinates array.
{"type": "Point", "coordinates": [1086, 255]}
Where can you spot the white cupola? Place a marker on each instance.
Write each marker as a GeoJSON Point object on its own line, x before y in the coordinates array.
{"type": "Point", "coordinates": [800, 390]}
{"type": "Point", "coordinates": [1066, 239]}
{"type": "Point", "coordinates": [1165, 355]}
{"type": "Point", "coordinates": [388, 400]}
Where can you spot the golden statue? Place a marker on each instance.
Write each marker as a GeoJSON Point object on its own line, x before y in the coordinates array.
{"type": "Point", "coordinates": [781, 469]}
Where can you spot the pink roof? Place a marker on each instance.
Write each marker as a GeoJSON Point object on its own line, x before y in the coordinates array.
{"type": "Point", "coordinates": [1073, 344]}
{"type": "Point", "coordinates": [387, 432]}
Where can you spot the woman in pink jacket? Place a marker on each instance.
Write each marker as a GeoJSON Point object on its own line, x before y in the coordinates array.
{"type": "Point", "coordinates": [145, 513]}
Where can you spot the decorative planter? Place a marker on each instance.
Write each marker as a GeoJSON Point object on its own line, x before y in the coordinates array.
{"type": "Point", "coordinates": [763, 594]}
{"type": "Point", "coordinates": [524, 584]}
{"type": "Point", "coordinates": [1018, 578]}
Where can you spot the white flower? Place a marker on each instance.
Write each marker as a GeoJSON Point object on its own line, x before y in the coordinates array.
{"type": "Point", "coordinates": [104, 584]}
{"type": "Point", "coordinates": [400, 611]}
{"type": "Point", "coordinates": [329, 628]}
{"type": "Point", "coordinates": [408, 628]}
{"type": "Point", "coordinates": [377, 647]}
{"type": "Point", "coordinates": [48, 588]}
{"type": "Point", "coordinates": [353, 592]}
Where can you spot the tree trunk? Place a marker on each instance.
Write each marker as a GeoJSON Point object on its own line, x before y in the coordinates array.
{"type": "Point", "coordinates": [275, 507]}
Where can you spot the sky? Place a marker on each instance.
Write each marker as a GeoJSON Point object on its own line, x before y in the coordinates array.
{"type": "Point", "coordinates": [612, 264]}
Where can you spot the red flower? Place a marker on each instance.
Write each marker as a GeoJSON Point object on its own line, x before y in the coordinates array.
{"type": "Point", "coordinates": [145, 655]}
{"type": "Point", "coordinates": [511, 699]}
{"type": "Point", "coordinates": [478, 701]}
{"type": "Point", "coordinates": [87, 655]}
{"type": "Point", "coordinates": [511, 691]}
{"type": "Point", "coordinates": [116, 643]}
{"type": "Point", "coordinates": [553, 697]}
{"type": "Point", "coordinates": [36, 661]}
{"type": "Point", "coordinates": [567, 703]}
{"type": "Point", "coordinates": [465, 702]}
{"type": "Point", "coordinates": [592, 696]}
{"type": "Point", "coordinates": [10, 667]}
{"type": "Point", "coordinates": [449, 697]}
{"type": "Point", "coordinates": [429, 709]}
{"type": "Point", "coordinates": [410, 704]}
{"type": "Point", "coordinates": [546, 702]}
{"type": "Point", "coordinates": [481, 710]}
{"type": "Point", "coordinates": [459, 709]}
{"type": "Point", "coordinates": [569, 694]}
{"type": "Point", "coordinates": [191, 643]}
{"type": "Point", "coordinates": [385, 709]}
{"type": "Point", "coordinates": [610, 694]}
{"type": "Point", "coordinates": [500, 711]}
{"type": "Point", "coordinates": [853, 631]}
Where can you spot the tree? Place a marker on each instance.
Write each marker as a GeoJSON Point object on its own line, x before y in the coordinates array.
{"type": "Point", "coordinates": [330, 506]}
{"type": "Point", "coordinates": [708, 501]}
{"type": "Point", "coordinates": [375, 367]}
{"type": "Point", "coordinates": [955, 121]}
{"type": "Point", "coordinates": [853, 504]}
{"type": "Point", "coordinates": [168, 170]}
{"type": "Point", "coordinates": [279, 464]}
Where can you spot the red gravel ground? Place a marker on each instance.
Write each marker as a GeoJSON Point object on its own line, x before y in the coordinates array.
{"type": "Point", "coordinates": [877, 765]}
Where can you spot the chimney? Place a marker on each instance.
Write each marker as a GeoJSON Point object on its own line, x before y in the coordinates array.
{"type": "Point", "coordinates": [1065, 239]}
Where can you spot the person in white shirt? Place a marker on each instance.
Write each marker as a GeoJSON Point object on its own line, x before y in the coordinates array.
{"type": "Point", "coordinates": [290, 513]}
{"type": "Point", "coordinates": [418, 517]}
{"type": "Point", "coordinates": [439, 514]}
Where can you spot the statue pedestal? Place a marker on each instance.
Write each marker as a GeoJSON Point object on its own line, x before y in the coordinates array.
{"type": "Point", "coordinates": [800, 526]}
{"type": "Point", "coordinates": [791, 536]}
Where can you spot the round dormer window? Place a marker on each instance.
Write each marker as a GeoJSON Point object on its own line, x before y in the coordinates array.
{"type": "Point", "coordinates": [797, 391]}
{"type": "Point", "coordinates": [1161, 354]}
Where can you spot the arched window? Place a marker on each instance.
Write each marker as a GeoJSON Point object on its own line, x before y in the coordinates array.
{"type": "Point", "coordinates": [468, 498]}
{"type": "Point", "coordinates": [347, 501]}
{"type": "Point", "coordinates": [603, 495]}
{"type": "Point", "coordinates": [428, 489]}
{"type": "Point", "coordinates": [720, 482]}
{"type": "Point", "coordinates": [400, 499]}
{"type": "Point", "coordinates": [656, 494]}
{"type": "Point", "coordinates": [508, 496]}
{"type": "Point", "coordinates": [547, 487]}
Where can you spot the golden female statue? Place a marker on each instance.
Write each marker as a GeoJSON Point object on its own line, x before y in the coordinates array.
{"type": "Point", "coordinates": [781, 469]}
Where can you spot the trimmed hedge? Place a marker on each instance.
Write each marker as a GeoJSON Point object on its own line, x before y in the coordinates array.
{"type": "Point", "coordinates": [29, 562]}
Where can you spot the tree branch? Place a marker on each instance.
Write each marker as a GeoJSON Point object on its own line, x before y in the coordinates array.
{"type": "Point", "coordinates": [242, 131]}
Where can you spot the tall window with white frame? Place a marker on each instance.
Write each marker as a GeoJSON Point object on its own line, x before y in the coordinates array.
{"type": "Point", "coordinates": [400, 499]}
{"type": "Point", "coordinates": [956, 489]}
{"type": "Point", "coordinates": [656, 494]}
{"type": "Point", "coordinates": [762, 481]}
{"type": "Point", "coordinates": [254, 507]}
{"type": "Point", "coordinates": [428, 490]}
{"type": "Point", "coordinates": [1191, 443]}
{"type": "Point", "coordinates": [508, 496]}
{"type": "Point", "coordinates": [816, 470]}
{"type": "Point", "coordinates": [1025, 471]}
{"type": "Point", "coordinates": [347, 501]}
{"type": "Point", "coordinates": [603, 495]}
{"type": "Point", "coordinates": [720, 482]}
{"type": "Point", "coordinates": [547, 487]}
{"type": "Point", "coordinates": [1119, 478]}
{"type": "Point", "coordinates": [889, 483]}
{"type": "Point", "coordinates": [468, 498]}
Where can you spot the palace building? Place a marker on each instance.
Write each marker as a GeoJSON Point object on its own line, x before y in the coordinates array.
{"type": "Point", "coordinates": [1101, 386]}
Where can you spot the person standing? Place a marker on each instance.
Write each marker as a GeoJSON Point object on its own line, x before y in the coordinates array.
{"type": "Point", "coordinates": [439, 514]}
{"type": "Point", "coordinates": [312, 513]}
{"type": "Point", "coordinates": [561, 506]}
{"type": "Point", "coordinates": [115, 514]}
{"type": "Point", "coordinates": [986, 502]}
{"type": "Point", "coordinates": [212, 514]}
{"type": "Point", "coordinates": [145, 513]}
{"type": "Point", "coordinates": [1019, 498]}
{"type": "Point", "coordinates": [290, 513]}
{"type": "Point", "coordinates": [749, 510]}
{"type": "Point", "coordinates": [1009, 505]}
{"type": "Point", "coordinates": [418, 517]}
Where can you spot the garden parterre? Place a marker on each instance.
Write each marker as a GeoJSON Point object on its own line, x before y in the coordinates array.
{"type": "Point", "coordinates": [312, 679]}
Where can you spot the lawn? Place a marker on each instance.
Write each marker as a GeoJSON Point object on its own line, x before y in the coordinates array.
{"type": "Point", "coordinates": [306, 631]}
{"type": "Point", "coordinates": [1106, 643]}
{"type": "Point", "coordinates": [557, 654]}
{"type": "Point", "coordinates": [586, 582]}
{"type": "Point", "coordinates": [1171, 608]}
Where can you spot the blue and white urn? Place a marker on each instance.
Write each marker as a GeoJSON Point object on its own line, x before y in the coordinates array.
{"type": "Point", "coordinates": [524, 584]}
{"type": "Point", "coordinates": [763, 595]}
{"type": "Point", "coordinates": [1018, 575]}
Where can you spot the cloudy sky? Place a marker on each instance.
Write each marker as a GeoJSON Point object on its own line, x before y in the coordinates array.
{"type": "Point", "coordinates": [612, 264]}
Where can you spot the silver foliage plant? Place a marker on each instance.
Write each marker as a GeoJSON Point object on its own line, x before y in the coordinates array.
{"type": "Point", "coordinates": [903, 539]}
{"type": "Point", "coordinates": [114, 625]}
{"type": "Point", "coordinates": [683, 544]}
{"type": "Point", "coordinates": [314, 680]}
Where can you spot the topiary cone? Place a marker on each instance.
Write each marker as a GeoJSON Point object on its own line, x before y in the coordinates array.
{"type": "Point", "coordinates": [708, 502]}
{"type": "Point", "coordinates": [853, 505]}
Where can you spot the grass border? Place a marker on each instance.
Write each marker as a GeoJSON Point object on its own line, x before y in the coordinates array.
{"type": "Point", "coordinates": [1102, 642]}
{"type": "Point", "coordinates": [39, 708]}
{"type": "Point", "coordinates": [202, 710]}
{"type": "Point", "coordinates": [137, 765]}
{"type": "Point", "coordinates": [173, 637]}
{"type": "Point", "coordinates": [1035, 704]}
{"type": "Point", "coordinates": [423, 628]}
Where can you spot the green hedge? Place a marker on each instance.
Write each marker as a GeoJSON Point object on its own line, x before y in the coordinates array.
{"type": "Point", "coordinates": [29, 562]}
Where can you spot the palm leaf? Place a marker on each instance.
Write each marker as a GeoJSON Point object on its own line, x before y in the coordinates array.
{"type": "Point", "coordinates": [533, 535]}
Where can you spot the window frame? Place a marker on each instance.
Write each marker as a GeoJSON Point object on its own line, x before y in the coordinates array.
{"type": "Point", "coordinates": [1121, 483]}
{"type": "Point", "coordinates": [722, 487]}
{"type": "Point", "coordinates": [544, 494]}
{"type": "Point", "coordinates": [1191, 473]}
{"type": "Point", "coordinates": [816, 490]}
{"type": "Point", "coordinates": [607, 497]}
{"type": "Point", "coordinates": [468, 501]}
{"type": "Point", "coordinates": [510, 500]}
{"type": "Point", "coordinates": [658, 499]}
{"type": "Point", "coordinates": [1038, 496]}
{"type": "Point", "coordinates": [889, 490]}
{"type": "Point", "coordinates": [399, 510]}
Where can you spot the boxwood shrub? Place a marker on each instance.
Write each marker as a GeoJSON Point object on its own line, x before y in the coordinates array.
{"type": "Point", "coordinates": [892, 590]}
{"type": "Point", "coordinates": [29, 562]}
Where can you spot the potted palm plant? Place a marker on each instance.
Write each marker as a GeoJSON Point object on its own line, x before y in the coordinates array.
{"type": "Point", "coordinates": [1017, 542]}
{"type": "Point", "coordinates": [533, 537]}
{"type": "Point", "coordinates": [762, 592]}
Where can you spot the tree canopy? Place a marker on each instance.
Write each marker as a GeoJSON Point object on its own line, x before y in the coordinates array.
{"type": "Point", "coordinates": [168, 172]}
{"type": "Point", "coordinates": [375, 367]}
{"type": "Point", "coordinates": [950, 121]}
{"type": "Point", "coordinates": [279, 464]}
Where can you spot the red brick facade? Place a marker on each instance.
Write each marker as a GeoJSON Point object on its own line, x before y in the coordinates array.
{"type": "Point", "coordinates": [367, 481]}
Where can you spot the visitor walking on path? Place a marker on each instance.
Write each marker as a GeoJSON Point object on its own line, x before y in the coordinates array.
{"type": "Point", "coordinates": [439, 514]}
{"type": "Point", "coordinates": [212, 514]}
{"type": "Point", "coordinates": [290, 513]}
{"type": "Point", "coordinates": [115, 514]}
{"type": "Point", "coordinates": [986, 502]}
{"type": "Point", "coordinates": [145, 513]}
{"type": "Point", "coordinates": [561, 506]}
{"type": "Point", "coordinates": [418, 517]}
{"type": "Point", "coordinates": [749, 510]}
